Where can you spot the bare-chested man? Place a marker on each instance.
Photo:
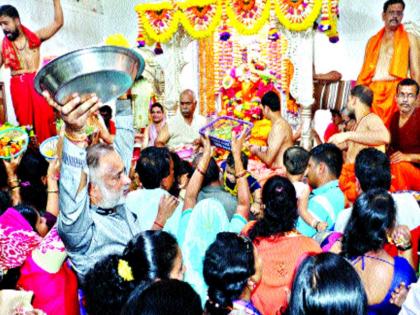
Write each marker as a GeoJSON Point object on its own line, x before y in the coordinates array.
{"type": "Point", "coordinates": [20, 51]}
{"type": "Point", "coordinates": [390, 55]}
{"type": "Point", "coordinates": [369, 131]}
{"type": "Point", "coordinates": [280, 137]}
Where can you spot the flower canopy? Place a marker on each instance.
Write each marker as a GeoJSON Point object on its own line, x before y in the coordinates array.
{"type": "Point", "coordinates": [159, 21]}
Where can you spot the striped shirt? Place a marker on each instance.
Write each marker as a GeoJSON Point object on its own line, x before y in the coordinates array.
{"type": "Point", "coordinates": [325, 203]}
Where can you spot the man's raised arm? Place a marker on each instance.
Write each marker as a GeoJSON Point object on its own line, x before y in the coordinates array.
{"type": "Point", "coordinates": [49, 31]}
{"type": "Point", "coordinates": [377, 134]}
{"type": "Point", "coordinates": [124, 137]}
{"type": "Point", "coordinates": [74, 221]}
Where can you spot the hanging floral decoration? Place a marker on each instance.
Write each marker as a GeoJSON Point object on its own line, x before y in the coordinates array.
{"type": "Point", "coordinates": [159, 20]}
{"type": "Point", "coordinates": [207, 75]}
{"type": "Point", "coordinates": [248, 16]}
{"type": "Point", "coordinates": [329, 19]}
{"type": "Point", "coordinates": [297, 15]}
{"type": "Point", "coordinates": [200, 18]}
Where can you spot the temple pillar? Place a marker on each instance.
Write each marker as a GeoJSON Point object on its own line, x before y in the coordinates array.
{"type": "Point", "coordinates": [306, 137]}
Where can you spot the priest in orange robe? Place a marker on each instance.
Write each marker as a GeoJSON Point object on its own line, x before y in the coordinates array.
{"type": "Point", "coordinates": [390, 55]}
{"type": "Point", "coordinates": [404, 149]}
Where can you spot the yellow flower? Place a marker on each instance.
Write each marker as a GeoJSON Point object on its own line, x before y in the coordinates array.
{"type": "Point", "coordinates": [124, 270]}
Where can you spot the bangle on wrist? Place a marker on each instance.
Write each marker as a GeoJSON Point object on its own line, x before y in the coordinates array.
{"type": "Point", "coordinates": [14, 187]}
{"type": "Point", "coordinates": [200, 170]}
{"type": "Point", "coordinates": [52, 191]}
{"type": "Point", "coordinates": [241, 174]}
{"type": "Point", "coordinates": [158, 224]}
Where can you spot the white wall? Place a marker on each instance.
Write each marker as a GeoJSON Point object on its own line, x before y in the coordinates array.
{"type": "Point", "coordinates": [359, 20]}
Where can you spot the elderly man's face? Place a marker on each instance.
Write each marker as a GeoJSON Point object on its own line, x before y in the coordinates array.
{"type": "Point", "coordinates": [407, 98]}
{"type": "Point", "coordinates": [188, 104]}
{"type": "Point", "coordinates": [393, 16]}
{"type": "Point", "coordinates": [10, 27]}
{"type": "Point", "coordinates": [114, 185]}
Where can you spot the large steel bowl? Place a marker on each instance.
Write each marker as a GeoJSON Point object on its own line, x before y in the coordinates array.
{"type": "Point", "coordinates": [107, 71]}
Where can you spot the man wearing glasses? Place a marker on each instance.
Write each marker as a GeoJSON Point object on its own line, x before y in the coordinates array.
{"type": "Point", "coordinates": [389, 55]}
{"type": "Point", "coordinates": [404, 149]}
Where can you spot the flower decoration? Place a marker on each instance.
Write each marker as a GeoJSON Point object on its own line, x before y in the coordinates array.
{"type": "Point", "coordinates": [141, 42]}
{"type": "Point", "coordinates": [273, 34]}
{"type": "Point", "coordinates": [328, 21]}
{"type": "Point", "coordinates": [200, 18]}
{"type": "Point", "coordinates": [248, 16]}
{"type": "Point", "coordinates": [124, 270]}
{"type": "Point", "coordinates": [117, 40]}
{"type": "Point", "coordinates": [243, 88]}
{"type": "Point", "coordinates": [158, 49]}
{"type": "Point", "coordinates": [160, 20]}
{"type": "Point", "coordinates": [297, 15]}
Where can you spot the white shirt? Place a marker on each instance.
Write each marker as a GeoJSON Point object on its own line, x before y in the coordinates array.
{"type": "Point", "coordinates": [408, 213]}
{"type": "Point", "coordinates": [181, 133]}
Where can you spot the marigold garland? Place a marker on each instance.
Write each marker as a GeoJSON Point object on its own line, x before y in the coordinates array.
{"type": "Point", "coordinates": [200, 20]}
{"type": "Point", "coordinates": [207, 76]}
{"type": "Point", "coordinates": [159, 20]}
{"type": "Point", "coordinates": [248, 17]}
{"type": "Point", "coordinates": [297, 16]}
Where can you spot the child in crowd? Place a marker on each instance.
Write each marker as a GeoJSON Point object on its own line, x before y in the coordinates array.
{"type": "Point", "coordinates": [295, 160]}
{"type": "Point", "coordinates": [229, 182]}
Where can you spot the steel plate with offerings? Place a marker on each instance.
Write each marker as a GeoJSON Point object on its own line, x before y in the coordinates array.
{"type": "Point", "coordinates": [220, 130]}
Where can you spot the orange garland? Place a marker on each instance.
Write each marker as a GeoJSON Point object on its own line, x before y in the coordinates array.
{"type": "Point", "coordinates": [206, 76]}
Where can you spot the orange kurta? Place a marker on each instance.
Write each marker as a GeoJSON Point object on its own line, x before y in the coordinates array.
{"type": "Point", "coordinates": [281, 255]}
{"type": "Point", "coordinates": [384, 91]}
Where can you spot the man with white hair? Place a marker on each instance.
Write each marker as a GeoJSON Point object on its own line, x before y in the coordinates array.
{"type": "Point", "coordinates": [183, 128]}
{"type": "Point", "coordinates": [94, 220]}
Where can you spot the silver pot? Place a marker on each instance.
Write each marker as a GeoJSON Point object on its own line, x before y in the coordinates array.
{"type": "Point", "coordinates": [107, 71]}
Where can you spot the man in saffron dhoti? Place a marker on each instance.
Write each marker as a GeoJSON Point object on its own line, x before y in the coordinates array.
{"type": "Point", "coordinates": [390, 56]}
{"type": "Point", "coordinates": [20, 51]}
